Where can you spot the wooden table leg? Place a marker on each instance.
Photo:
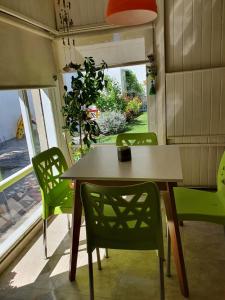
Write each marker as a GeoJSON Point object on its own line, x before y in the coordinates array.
{"type": "Point", "coordinates": [175, 239]}
{"type": "Point", "coordinates": [76, 223]}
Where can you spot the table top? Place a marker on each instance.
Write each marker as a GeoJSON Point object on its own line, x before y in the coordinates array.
{"type": "Point", "coordinates": [156, 163]}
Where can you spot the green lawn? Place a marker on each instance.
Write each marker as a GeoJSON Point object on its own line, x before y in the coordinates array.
{"type": "Point", "coordinates": [140, 124]}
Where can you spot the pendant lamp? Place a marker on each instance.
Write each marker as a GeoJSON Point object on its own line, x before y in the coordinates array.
{"type": "Point", "coordinates": [131, 12]}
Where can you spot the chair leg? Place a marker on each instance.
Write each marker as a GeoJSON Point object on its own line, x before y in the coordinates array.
{"type": "Point", "coordinates": [45, 238]}
{"type": "Point", "coordinates": [98, 259]}
{"type": "Point", "coordinates": [168, 269]}
{"type": "Point", "coordinates": [91, 279]}
{"type": "Point", "coordinates": [162, 287]}
{"type": "Point", "coordinates": [106, 253]}
{"type": "Point", "coordinates": [68, 221]}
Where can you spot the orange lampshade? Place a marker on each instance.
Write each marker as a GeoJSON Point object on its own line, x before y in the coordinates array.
{"type": "Point", "coordinates": [131, 12]}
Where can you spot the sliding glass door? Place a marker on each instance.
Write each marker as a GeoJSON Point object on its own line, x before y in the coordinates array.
{"type": "Point", "coordinates": [23, 134]}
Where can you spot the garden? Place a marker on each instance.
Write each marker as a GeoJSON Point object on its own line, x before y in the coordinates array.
{"type": "Point", "coordinates": [121, 111]}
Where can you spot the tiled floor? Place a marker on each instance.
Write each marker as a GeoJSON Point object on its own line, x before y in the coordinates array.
{"type": "Point", "coordinates": [129, 275]}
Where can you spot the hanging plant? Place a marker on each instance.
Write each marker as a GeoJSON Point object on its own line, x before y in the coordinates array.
{"type": "Point", "coordinates": [86, 86]}
{"type": "Point", "coordinates": [152, 73]}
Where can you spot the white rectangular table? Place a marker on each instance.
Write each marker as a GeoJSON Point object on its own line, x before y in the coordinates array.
{"type": "Point", "coordinates": [160, 164]}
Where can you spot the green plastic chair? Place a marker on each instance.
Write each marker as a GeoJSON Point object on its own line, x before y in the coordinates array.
{"type": "Point", "coordinates": [57, 195]}
{"type": "Point", "coordinates": [123, 218]}
{"type": "Point", "coordinates": [198, 205]}
{"type": "Point", "coordinates": [136, 139]}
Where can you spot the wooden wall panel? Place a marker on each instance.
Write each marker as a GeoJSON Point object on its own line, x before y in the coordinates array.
{"type": "Point", "coordinates": [216, 32]}
{"type": "Point", "coordinates": [200, 164]}
{"type": "Point", "coordinates": [187, 98]}
{"type": "Point", "coordinates": [206, 95]}
{"type": "Point", "coordinates": [169, 35]}
{"type": "Point", "coordinates": [223, 35]}
{"type": "Point", "coordinates": [178, 104]}
{"type": "Point", "coordinates": [195, 85]}
{"type": "Point", "coordinates": [197, 38]}
{"type": "Point", "coordinates": [186, 36]}
{"type": "Point", "coordinates": [178, 34]}
{"type": "Point", "coordinates": [206, 18]}
{"type": "Point", "coordinates": [170, 112]}
{"type": "Point", "coordinates": [195, 34]}
{"type": "Point", "coordinates": [195, 103]}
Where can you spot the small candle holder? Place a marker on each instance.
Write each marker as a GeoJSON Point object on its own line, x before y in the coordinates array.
{"type": "Point", "coordinates": [124, 153]}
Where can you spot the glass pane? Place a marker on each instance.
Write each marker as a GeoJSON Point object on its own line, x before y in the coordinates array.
{"type": "Point", "coordinates": [13, 145]}
{"type": "Point", "coordinates": [18, 203]}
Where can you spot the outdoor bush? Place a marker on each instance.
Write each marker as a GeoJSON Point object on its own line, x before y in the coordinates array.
{"type": "Point", "coordinates": [133, 107]}
{"type": "Point", "coordinates": [111, 122]}
{"type": "Point", "coordinates": [111, 98]}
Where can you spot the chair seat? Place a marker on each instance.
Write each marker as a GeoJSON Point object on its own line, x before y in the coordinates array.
{"type": "Point", "coordinates": [63, 203]}
{"type": "Point", "coordinates": [199, 205]}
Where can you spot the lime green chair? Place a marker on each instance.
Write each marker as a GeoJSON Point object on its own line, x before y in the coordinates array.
{"type": "Point", "coordinates": [123, 218]}
{"type": "Point", "coordinates": [198, 205]}
{"type": "Point", "coordinates": [136, 139]}
{"type": "Point", "coordinates": [57, 195]}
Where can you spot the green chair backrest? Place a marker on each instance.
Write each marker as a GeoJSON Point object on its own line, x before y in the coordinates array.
{"type": "Point", "coordinates": [122, 217]}
{"type": "Point", "coordinates": [221, 175]}
{"type": "Point", "coordinates": [136, 139]}
{"type": "Point", "coordinates": [48, 166]}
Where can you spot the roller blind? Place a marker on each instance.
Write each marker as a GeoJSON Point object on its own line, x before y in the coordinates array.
{"type": "Point", "coordinates": [26, 59]}
{"type": "Point", "coordinates": [117, 48]}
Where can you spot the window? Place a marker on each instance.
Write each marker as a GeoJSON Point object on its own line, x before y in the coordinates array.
{"type": "Point", "coordinates": [122, 107]}
{"type": "Point", "coordinates": [23, 134]}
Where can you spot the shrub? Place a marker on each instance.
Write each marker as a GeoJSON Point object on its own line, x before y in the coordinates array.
{"type": "Point", "coordinates": [112, 122]}
{"type": "Point", "coordinates": [111, 99]}
{"type": "Point", "coordinates": [133, 107]}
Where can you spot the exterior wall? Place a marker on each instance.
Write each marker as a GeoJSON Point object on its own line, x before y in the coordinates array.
{"type": "Point", "coordinates": [9, 114]}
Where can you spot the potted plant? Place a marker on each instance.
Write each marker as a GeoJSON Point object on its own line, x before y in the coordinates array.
{"type": "Point", "coordinates": [86, 87]}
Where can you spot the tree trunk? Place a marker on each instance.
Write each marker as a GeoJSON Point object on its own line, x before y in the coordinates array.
{"type": "Point", "coordinates": [80, 132]}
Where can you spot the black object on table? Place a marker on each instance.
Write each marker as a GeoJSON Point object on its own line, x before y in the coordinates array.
{"type": "Point", "coordinates": [124, 153]}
